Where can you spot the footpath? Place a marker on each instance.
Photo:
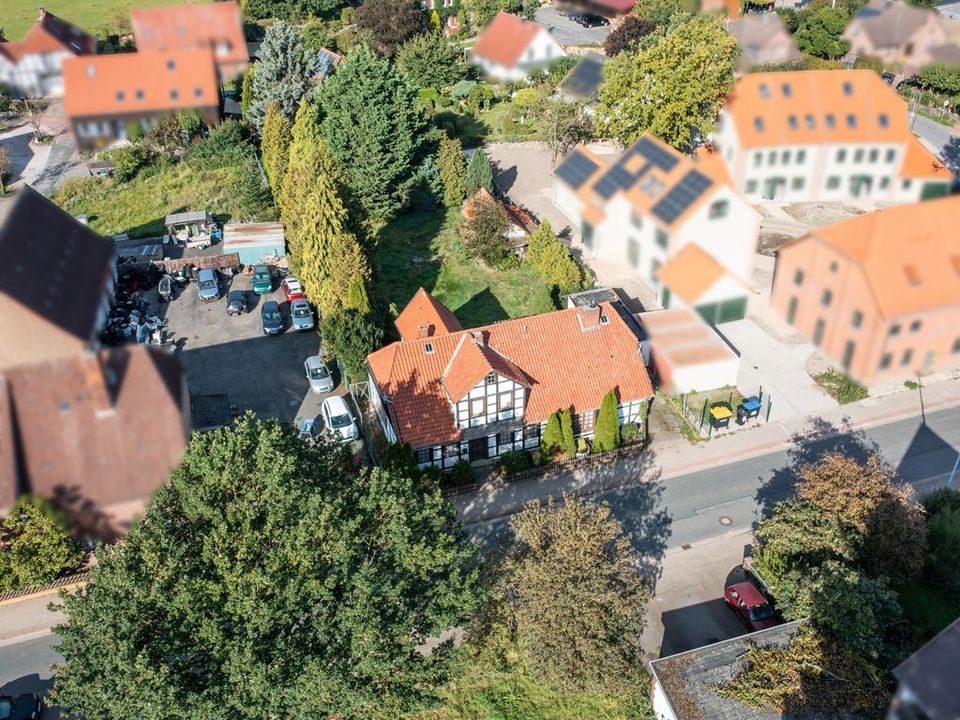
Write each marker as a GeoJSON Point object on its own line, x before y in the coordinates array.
{"type": "Point", "coordinates": [27, 618]}
{"type": "Point", "coordinates": [675, 456]}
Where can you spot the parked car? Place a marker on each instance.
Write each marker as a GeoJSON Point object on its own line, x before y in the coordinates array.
{"type": "Point", "coordinates": [236, 302]}
{"type": "Point", "coordinates": [301, 314]}
{"type": "Point", "coordinates": [338, 420]}
{"type": "Point", "coordinates": [208, 284]}
{"type": "Point", "coordinates": [888, 77]}
{"type": "Point", "coordinates": [262, 280]}
{"type": "Point", "coordinates": [22, 707]}
{"type": "Point", "coordinates": [292, 289]}
{"type": "Point", "coordinates": [909, 82]}
{"type": "Point", "coordinates": [318, 374]}
{"type": "Point", "coordinates": [588, 20]}
{"type": "Point", "coordinates": [271, 318]}
{"type": "Point", "coordinates": [750, 606]}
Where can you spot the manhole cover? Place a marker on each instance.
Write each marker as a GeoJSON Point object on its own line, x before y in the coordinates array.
{"type": "Point", "coordinates": [726, 520]}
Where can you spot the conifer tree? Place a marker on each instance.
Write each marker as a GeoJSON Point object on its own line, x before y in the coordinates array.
{"type": "Point", "coordinates": [552, 438]}
{"type": "Point", "coordinates": [606, 434]}
{"type": "Point", "coordinates": [435, 25]}
{"type": "Point", "coordinates": [275, 139]}
{"type": "Point", "coordinates": [569, 445]}
{"type": "Point", "coordinates": [548, 257]}
{"type": "Point", "coordinates": [282, 75]}
{"type": "Point", "coordinates": [453, 171]}
{"type": "Point", "coordinates": [479, 173]}
{"type": "Point", "coordinates": [302, 170]}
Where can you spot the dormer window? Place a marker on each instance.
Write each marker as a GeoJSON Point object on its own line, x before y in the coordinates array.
{"type": "Point", "coordinates": [428, 348]}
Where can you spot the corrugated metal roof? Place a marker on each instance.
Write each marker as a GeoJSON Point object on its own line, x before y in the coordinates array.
{"type": "Point", "coordinates": [255, 233]}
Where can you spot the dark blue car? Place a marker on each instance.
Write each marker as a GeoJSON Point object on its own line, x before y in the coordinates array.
{"type": "Point", "coordinates": [271, 318]}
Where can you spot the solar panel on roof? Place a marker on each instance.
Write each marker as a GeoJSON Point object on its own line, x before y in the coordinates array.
{"type": "Point", "coordinates": [681, 196]}
{"type": "Point", "coordinates": [585, 78]}
{"type": "Point", "coordinates": [576, 169]}
{"type": "Point", "coordinates": [616, 178]}
{"type": "Point", "coordinates": [655, 154]}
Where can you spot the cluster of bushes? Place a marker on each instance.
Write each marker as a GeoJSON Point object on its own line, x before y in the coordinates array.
{"type": "Point", "coordinates": [942, 565]}
{"type": "Point", "coordinates": [35, 545]}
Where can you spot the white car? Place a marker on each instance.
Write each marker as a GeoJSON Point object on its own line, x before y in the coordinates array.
{"type": "Point", "coordinates": [337, 419]}
{"type": "Point", "coordinates": [318, 374]}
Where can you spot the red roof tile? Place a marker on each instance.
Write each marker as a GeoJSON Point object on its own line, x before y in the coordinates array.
{"type": "Point", "coordinates": [423, 316]}
{"type": "Point", "coordinates": [215, 26]}
{"type": "Point", "coordinates": [505, 39]}
{"type": "Point", "coordinates": [564, 366]}
{"type": "Point", "coordinates": [50, 34]}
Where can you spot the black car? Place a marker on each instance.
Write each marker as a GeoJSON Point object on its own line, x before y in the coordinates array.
{"type": "Point", "coordinates": [589, 20]}
{"type": "Point", "coordinates": [271, 318]}
{"type": "Point", "coordinates": [236, 302]}
{"type": "Point", "coordinates": [23, 707]}
{"type": "Point", "coordinates": [888, 77]}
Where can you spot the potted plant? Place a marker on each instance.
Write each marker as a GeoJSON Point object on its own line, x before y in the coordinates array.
{"type": "Point", "coordinates": [583, 447]}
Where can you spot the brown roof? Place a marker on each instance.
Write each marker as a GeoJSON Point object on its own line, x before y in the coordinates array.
{"type": "Point", "coordinates": [563, 364]}
{"type": "Point", "coordinates": [48, 35]}
{"type": "Point", "coordinates": [816, 106]}
{"type": "Point", "coordinates": [423, 311]}
{"type": "Point", "coordinates": [143, 82]}
{"type": "Point", "coordinates": [192, 26]}
{"type": "Point", "coordinates": [909, 259]}
{"type": "Point", "coordinates": [93, 431]}
{"type": "Point", "coordinates": [890, 24]}
{"type": "Point", "coordinates": [690, 273]}
{"type": "Point", "coordinates": [52, 264]}
{"type": "Point", "coordinates": [505, 39]}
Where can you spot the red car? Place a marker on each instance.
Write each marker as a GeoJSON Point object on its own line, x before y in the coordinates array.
{"type": "Point", "coordinates": [291, 288]}
{"type": "Point", "coordinates": [751, 606]}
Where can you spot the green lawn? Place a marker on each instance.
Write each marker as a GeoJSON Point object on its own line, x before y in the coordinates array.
{"type": "Point", "coordinates": [421, 250]}
{"type": "Point", "coordinates": [139, 207]}
{"type": "Point", "coordinates": [90, 15]}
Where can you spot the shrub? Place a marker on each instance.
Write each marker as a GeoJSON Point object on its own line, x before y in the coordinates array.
{"type": "Point", "coordinates": [398, 458]}
{"type": "Point", "coordinates": [513, 461]}
{"type": "Point", "coordinates": [461, 90]}
{"type": "Point", "coordinates": [606, 435]}
{"type": "Point", "coordinates": [552, 439]}
{"type": "Point", "coordinates": [134, 131]}
{"type": "Point", "coordinates": [462, 472]}
{"type": "Point", "coordinates": [430, 478]}
{"type": "Point", "coordinates": [227, 144]}
{"type": "Point", "coordinates": [843, 389]}
{"type": "Point", "coordinates": [629, 432]}
{"type": "Point", "coordinates": [129, 160]}
{"type": "Point", "coordinates": [37, 545]}
{"type": "Point", "coordinates": [351, 336]}
{"type": "Point", "coordinates": [568, 445]}
{"type": "Point", "coordinates": [583, 446]}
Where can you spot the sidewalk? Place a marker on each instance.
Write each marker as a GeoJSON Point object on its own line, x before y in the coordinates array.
{"type": "Point", "coordinates": [27, 618]}
{"type": "Point", "coordinates": [676, 456]}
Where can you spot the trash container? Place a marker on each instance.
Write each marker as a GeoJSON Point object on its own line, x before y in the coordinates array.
{"type": "Point", "coordinates": [741, 414]}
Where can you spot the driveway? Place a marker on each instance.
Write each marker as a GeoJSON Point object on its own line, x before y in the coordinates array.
{"type": "Point", "coordinates": [19, 152]}
{"type": "Point", "coordinates": [566, 32]}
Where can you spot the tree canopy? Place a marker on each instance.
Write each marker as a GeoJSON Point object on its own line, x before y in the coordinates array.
{"type": "Point", "coordinates": [479, 172]}
{"type": "Point", "coordinates": [430, 60]}
{"type": "Point", "coordinates": [35, 545]}
{"type": "Point", "coordinates": [453, 172]}
{"type": "Point", "coordinates": [552, 261]}
{"type": "Point", "coordinates": [391, 22]}
{"type": "Point", "coordinates": [626, 36]}
{"type": "Point", "coordinates": [275, 139]}
{"type": "Point", "coordinates": [670, 88]}
{"type": "Point", "coordinates": [819, 32]}
{"type": "Point", "coordinates": [484, 233]}
{"type": "Point", "coordinates": [351, 336]}
{"type": "Point", "coordinates": [282, 73]}
{"type": "Point", "coordinates": [269, 579]}
{"type": "Point", "coordinates": [373, 123]}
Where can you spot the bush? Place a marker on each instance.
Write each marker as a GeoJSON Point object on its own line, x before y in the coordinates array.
{"type": "Point", "coordinates": [461, 90]}
{"type": "Point", "coordinates": [129, 160]}
{"type": "Point", "coordinates": [569, 445]}
{"type": "Point", "coordinates": [431, 477]}
{"type": "Point", "coordinates": [36, 546]}
{"type": "Point", "coordinates": [462, 473]}
{"type": "Point", "coordinates": [583, 446]}
{"type": "Point", "coordinates": [227, 144]}
{"type": "Point", "coordinates": [398, 458]}
{"type": "Point", "coordinates": [351, 336]}
{"type": "Point", "coordinates": [513, 461]}
{"type": "Point", "coordinates": [943, 537]}
{"type": "Point", "coordinates": [843, 389]}
{"type": "Point", "coordinates": [606, 434]}
{"type": "Point", "coordinates": [629, 432]}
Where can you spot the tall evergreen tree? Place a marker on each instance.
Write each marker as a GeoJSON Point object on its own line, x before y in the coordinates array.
{"type": "Point", "coordinates": [606, 433]}
{"type": "Point", "coordinates": [373, 123]}
{"type": "Point", "coordinates": [566, 431]}
{"type": "Point", "coordinates": [453, 173]}
{"type": "Point", "coordinates": [282, 73]}
{"type": "Point", "coordinates": [479, 172]}
{"type": "Point", "coordinates": [275, 138]}
{"type": "Point", "coordinates": [552, 261]}
{"type": "Point", "coordinates": [302, 170]}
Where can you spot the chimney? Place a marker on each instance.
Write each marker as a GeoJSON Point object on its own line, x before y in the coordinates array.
{"type": "Point", "coordinates": [589, 318]}
{"type": "Point", "coordinates": [478, 337]}
{"type": "Point", "coordinates": [98, 382]}
{"type": "Point", "coordinates": [40, 13]}
{"type": "Point", "coordinates": [423, 331]}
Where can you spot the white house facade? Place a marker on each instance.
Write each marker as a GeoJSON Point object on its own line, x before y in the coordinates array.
{"type": "Point", "coordinates": [511, 48]}
{"type": "Point", "coordinates": [32, 67]}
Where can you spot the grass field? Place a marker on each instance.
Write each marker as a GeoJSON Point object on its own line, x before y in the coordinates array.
{"type": "Point", "coordinates": [90, 15]}
{"type": "Point", "coordinates": [421, 250]}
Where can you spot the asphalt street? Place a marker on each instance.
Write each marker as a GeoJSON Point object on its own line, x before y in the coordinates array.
{"type": "Point", "coordinates": [941, 137]}
{"type": "Point", "coordinates": [25, 668]}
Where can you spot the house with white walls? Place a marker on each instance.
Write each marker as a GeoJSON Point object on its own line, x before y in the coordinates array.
{"type": "Point", "coordinates": [676, 220]}
{"type": "Point", "coordinates": [511, 48]}
{"type": "Point", "coordinates": [829, 135]}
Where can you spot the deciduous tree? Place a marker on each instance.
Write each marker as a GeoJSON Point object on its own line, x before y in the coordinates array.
{"type": "Point", "coordinates": [269, 579]}
{"type": "Point", "coordinates": [820, 32]}
{"type": "Point", "coordinates": [275, 139]}
{"type": "Point", "coordinates": [606, 434]}
{"type": "Point", "coordinates": [571, 594]}
{"type": "Point", "coordinates": [484, 233]}
{"type": "Point", "coordinates": [677, 84]}
{"type": "Point", "coordinates": [479, 172]}
{"type": "Point", "coordinates": [282, 73]}
{"type": "Point", "coordinates": [351, 336]}
{"type": "Point", "coordinates": [453, 171]}
{"type": "Point", "coordinates": [35, 545]}
{"type": "Point", "coordinates": [430, 60]}
{"type": "Point", "coordinates": [659, 12]}
{"type": "Point", "coordinates": [626, 37]}
{"type": "Point", "coordinates": [373, 123]}
{"type": "Point", "coordinates": [392, 22]}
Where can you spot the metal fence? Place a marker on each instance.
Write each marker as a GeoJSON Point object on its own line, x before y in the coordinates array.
{"type": "Point", "coordinates": [696, 407]}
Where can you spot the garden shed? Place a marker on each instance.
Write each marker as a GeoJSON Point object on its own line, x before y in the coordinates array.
{"type": "Point", "coordinates": [254, 242]}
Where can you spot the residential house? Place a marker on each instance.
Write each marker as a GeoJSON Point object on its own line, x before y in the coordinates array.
{"type": "Point", "coordinates": [212, 26]}
{"type": "Point", "coordinates": [520, 225]}
{"type": "Point", "coordinates": [57, 280]}
{"type": "Point", "coordinates": [95, 432]}
{"type": "Point", "coordinates": [879, 294]}
{"type": "Point", "coordinates": [108, 95]}
{"type": "Point", "coordinates": [927, 680]}
{"type": "Point", "coordinates": [685, 684]}
{"type": "Point", "coordinates": [824, 135]}
{"type": "Point", "coordinates": [899, 35]}
{"type": "Point", "coordinates": [32, 67]}
{"type": "Point", "coordinates": [510, 48]}
{"type": "Point", "coordinates": [676, 220]}
{"type": "Point", "coordinates": [474, 394]}
{"type": "Point", "coordinates": [730, 8]}
{"type": "Point", "coordinates": [763, 40]}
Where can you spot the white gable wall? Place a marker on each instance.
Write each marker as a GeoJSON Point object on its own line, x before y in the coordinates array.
{"type": "Point", "coordinates": [541, 51]}
{"type": "Point", "coordinates": [492, 399]}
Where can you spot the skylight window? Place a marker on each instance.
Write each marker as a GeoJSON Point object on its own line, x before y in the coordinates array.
{"type": "Point", "coordinates": [764, 91]}
{"type": "Point", "coordinates": [174, 94]}
{"type": "Point", "coordinates": [811, 123]}
{"type": "Point", "coordinates": [428, 348]}
{"type": "Point", "coordinates": [139, 94]}
{"type": "Point", "coordinates": [831, 121]}
{"type": "Point", "coordinates": [851, 120]}
{"type": "Point", "coordinates": [912, 276]}
{"type": "Point", "coordinates": [171, 65]}
{"type": "Point", "coordinates": [120, 95]}
{"type": "Point", "coordinates": [758, 124]}
{"type": "Point", "coordinates": [883, 120]}
{"type": "Point", "coordinates": [792, 120]}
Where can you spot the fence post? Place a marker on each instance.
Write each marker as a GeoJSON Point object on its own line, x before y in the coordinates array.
{"type": "Point", "coordinates": [703, 412]}
{"type": "Point", "coordinates": [760, 398]}
{"type": "Point", "coordinates": [769, 408]}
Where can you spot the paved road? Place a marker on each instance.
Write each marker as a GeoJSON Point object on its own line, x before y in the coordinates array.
{"type": "Point", "coordinates": [25, 668]}
{"type": "Point", "coordinates": [567, 32]}
{"type": "Point", "coordinates": [62, 158]}
{"type": "Point", "coordinates": [942, 138]}
{"type": "Point", "coordinates": [685, 509]}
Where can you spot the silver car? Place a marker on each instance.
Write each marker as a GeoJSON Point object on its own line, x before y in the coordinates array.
{"type": "Point", "coordinates": [208, 284]}
{"type": "Point", "coordinates": [301, 314]}
{"type": "Point", "coordinates": [318, 374]}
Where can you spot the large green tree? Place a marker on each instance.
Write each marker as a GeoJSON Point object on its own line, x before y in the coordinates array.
{"type": "Point", "coordinates": [453, 172]}
{"type": "Point", "coordinates": [275, 139]}
{"type": "Point", "coordinates": [820, 32]}
{"type": "Point", "coordinates": [391, 22]}
{"type": "Point", "coordinates": [571, 595]}
{"type": "Point", "coordinates": [429, 60]}
{"type": "Point", "coordinates": [351, 336]}
{"type": "Point", "coordinates": [373, 123]}
{"type": "Point", "coordinates": [479, 172]}
{"type": "Point", "coordinates": [35, 545]}
{"type": "Point", "coordinates": [484, 232]}
{"type": "Point", "coordinates": [282, 73]}
{"type": "Point", "coordinates": [270, 579]}
{"type": "Point", "coordinates": [606, 434]}
{"type": "Point", "coordinates": [659, 12]}
{"type": "Point", "coordinates": [677, 84]}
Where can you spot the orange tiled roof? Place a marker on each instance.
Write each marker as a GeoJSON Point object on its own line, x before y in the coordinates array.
{"type": "Point", "coordinates": [424, 311]}
{"type": "Point", "coordinates": [192, 26]}
{"type": "Point", "coordinates": [908, 254]}
{"type": "Point", "coordinates": [918, 162]}
{"type": "Point", "coordinates": [690, 273]}
{"type": "Point", "coordinates": [653, 185]}
{"type": "Point", "coordinates": [562, 364]}
{"type": "Point", "coordinates": [132, 83]}
{"type": "Point", "coordinates": [471, 362]}
{"type": "Point", "coordinates": [505, 39]}
{"type": "Point", "coordinates": [816, 106]}
{"type": "Point", "coordinates": [48, 35]}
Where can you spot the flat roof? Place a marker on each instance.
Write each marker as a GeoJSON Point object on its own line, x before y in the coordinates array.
{"type": "Point", "coordinates": [187, 217]}
{"type": "Point", "coordinates": [683, 338]}
{"type": "Point", "coordinates": [253, 233]}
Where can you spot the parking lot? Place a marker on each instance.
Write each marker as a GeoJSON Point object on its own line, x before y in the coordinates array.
{"type": "Point", "coordinates": [230, 356]}
{"type": "Point", "coordinates": [567, 32]}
